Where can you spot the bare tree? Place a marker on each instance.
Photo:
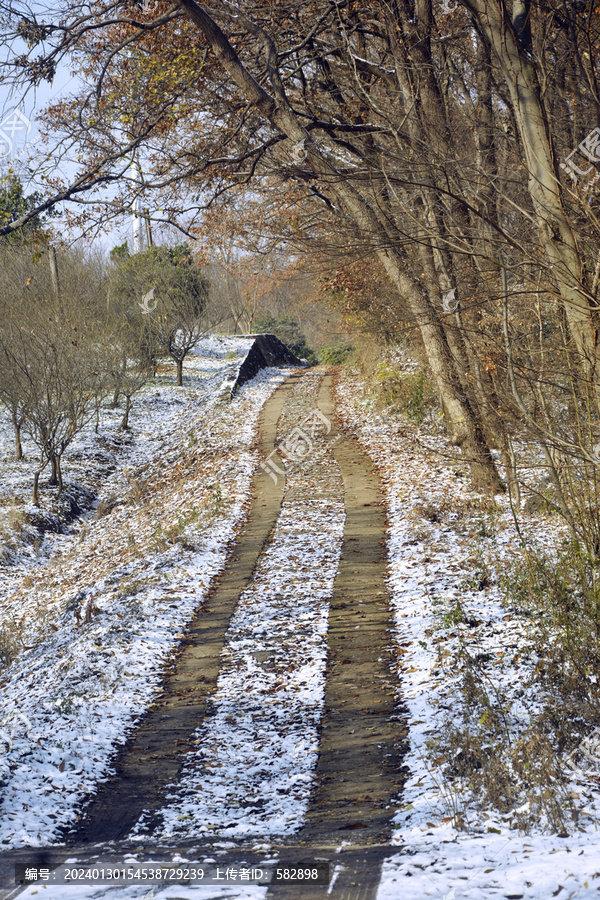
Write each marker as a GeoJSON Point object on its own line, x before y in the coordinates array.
{"type": "Point", "coordinates": [11, 398]}
{"type": "Point", "coordinates": [130, 343]}
{"type": "Point", "coordinates": [15, 261]}
{"type": "Point", "coordinates": [50, 352]}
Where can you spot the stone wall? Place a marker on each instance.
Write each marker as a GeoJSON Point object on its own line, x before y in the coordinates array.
{"type": "Point", "coordinates": [266, 351]}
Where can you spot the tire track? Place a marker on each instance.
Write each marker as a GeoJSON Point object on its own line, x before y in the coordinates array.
{"type": "Point", "coordinates": [359, 768]}
{"type": "Point", "coordinates": [154, 755]}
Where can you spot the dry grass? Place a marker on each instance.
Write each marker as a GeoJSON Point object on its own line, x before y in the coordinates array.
{"type": "Point", "coordinates": [10, 645]}
{"type": "Point", "coordinates": [14, 531]}
{"type": "Point", "coordinates": [512, 763]}
{"type": "Point", "coordinates": [452, 509]}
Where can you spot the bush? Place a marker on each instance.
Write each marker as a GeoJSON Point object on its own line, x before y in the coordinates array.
{"type": "Point", "coordinates": [408, 392]}
{"type": "Point", "coordinates": [562, 599]}
{"type": "Point", "coordinates": [289, 333]}
{"type": "Point", "coordinates": [402, 387]}
{"type": "Point", "coordinates": [335, 353]}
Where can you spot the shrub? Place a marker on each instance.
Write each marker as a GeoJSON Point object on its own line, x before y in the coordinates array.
{"type": "Point", "coordinates": [289, 333]}
{"type": "Point", "coordinates": [562, 599]}
{"type": "Point", "coordinates": [408, 392]}
{"type": "Point", "coordinates": [335, 353]}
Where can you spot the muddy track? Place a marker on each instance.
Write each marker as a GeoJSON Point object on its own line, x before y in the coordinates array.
{"type": "Point", "coordinates": [155, 753]}
{"type": "Point", "coordinates": [359, 769]}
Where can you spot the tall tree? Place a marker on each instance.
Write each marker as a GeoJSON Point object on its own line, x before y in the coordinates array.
{"type": "Point", "coordinates": [424, 137]}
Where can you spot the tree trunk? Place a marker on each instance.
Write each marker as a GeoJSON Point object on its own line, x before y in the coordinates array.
{"type": "Point", "coordinates": [54, 476]}
{"type": "Point", "coordinates": [59, 478]}
{"type": "Point", "coordinates": [179, 372]}
{"type": "Point", "coordinates": [124, 426]}
{"type": "Point", "coordinates": [427, 122]}
{"type": "Point", "coordinates": [462, 425]}
{"type": "Point", "coordinates": [18, 446]}
{"type": "Point", "coordinates": [464, 429]}
{"type": "Point", "coordinates": [35, 498]}
{"type": "Point", "coordinates": [486, 258]}
{"type": "Point", "coordinates": [544, 186]}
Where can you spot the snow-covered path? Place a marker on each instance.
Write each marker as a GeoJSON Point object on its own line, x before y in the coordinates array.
{"type": "Point", "coordinates": [252, 772]}
{"type": "Point", "coordinates": [247, 783]}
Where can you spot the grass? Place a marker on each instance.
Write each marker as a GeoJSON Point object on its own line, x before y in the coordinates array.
{"type": "Point", "coordinates": [407, 390]}
{"type": "Point", "coordinates": [510, 753]}
{"type": "Point", "coordinates": [14, 530]}
{"type": "Point", "coordinates": [505, 744]}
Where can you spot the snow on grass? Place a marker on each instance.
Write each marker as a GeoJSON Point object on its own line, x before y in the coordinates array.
{"type": "Point", "coordinates": [159, 409]}
{"type": "Point", "coordinates": [440, 542]}
{"type": "Point", "coordinates": [136, 571]}
{"type": "Point", "coordinates": [468, 867]}
{"type": "Point", "coordinates": [252, 773]}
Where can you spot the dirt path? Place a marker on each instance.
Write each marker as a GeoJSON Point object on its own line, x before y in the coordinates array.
{"type": "Point", "coordinates": [360, 755]}
{"type": "Point", "coordinates": [154, 755]}
{"type": "Point", "coordinates": [362, 736]}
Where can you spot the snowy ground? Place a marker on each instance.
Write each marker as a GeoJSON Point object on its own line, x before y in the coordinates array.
{"type": "Point", "coordinates": [252, 773]}
{"type": "Point", "coordinates": [442, 539]}
{"type": "Point", "coordinates": [138, 568]}
{"type": "Point", "coordinates": [440, 547]}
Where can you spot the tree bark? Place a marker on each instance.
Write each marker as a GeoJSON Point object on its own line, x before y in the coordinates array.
{"type": "Point", "coordinates": [35, 497]}
{"type": "Point", "coordinates": [544, 186]}
{"type": "Point", "coordinates": [54, 476]}
{"type": "Point", "coordinates": [124, 426]}
{"type": "Point", "coordinates": [18, 446]}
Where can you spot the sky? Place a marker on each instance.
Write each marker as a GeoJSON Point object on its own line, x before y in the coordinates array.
{"type": "Point", "coordinates": [20, 143]}
{"type": "Point", "coordinates": [21, 146]}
